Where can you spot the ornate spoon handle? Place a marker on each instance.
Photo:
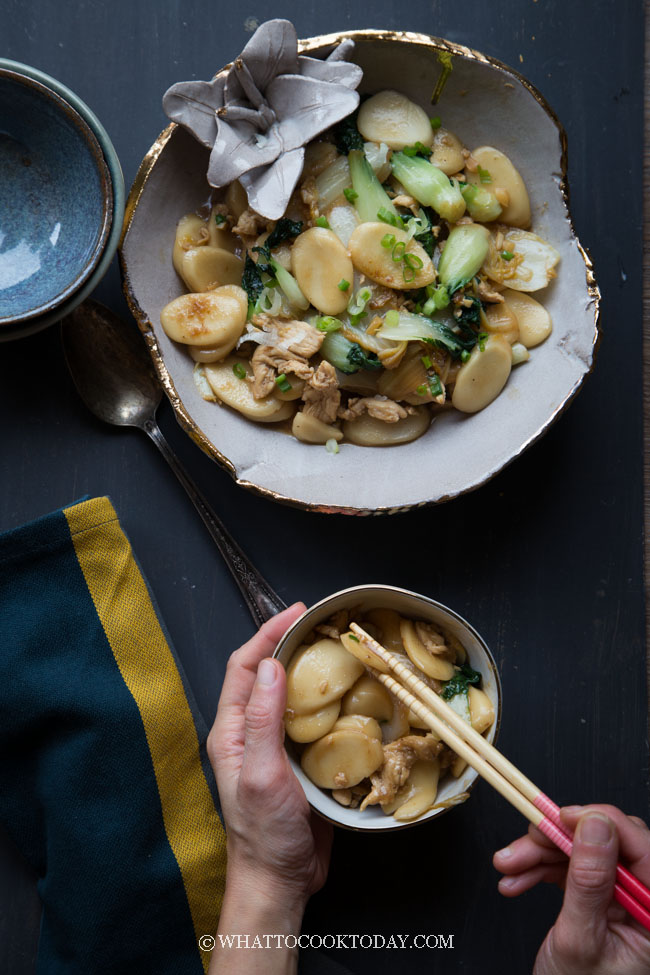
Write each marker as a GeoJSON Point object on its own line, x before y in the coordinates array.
{"type": "Point", "coordinates": [262, 601]}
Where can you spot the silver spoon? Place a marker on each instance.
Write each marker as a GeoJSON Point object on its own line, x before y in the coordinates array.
{"type": "Point", "coordinates": [114, 376]}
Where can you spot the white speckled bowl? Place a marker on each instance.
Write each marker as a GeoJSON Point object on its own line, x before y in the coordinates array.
{"type": "Point", "coordinates": [483, 102]}
{"type": "Point", "coordinates": [414, 606]}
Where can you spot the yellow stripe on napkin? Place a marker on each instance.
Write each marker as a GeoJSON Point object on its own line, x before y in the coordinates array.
{"type": "Point", "coordinates": [122, 601]}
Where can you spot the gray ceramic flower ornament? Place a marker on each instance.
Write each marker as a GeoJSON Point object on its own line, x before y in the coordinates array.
{"type": "Point", "coordinates": [257, 118]}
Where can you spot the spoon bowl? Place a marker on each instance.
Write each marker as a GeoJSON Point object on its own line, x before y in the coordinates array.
{"type": "Point", "coordinates": [110, 366]}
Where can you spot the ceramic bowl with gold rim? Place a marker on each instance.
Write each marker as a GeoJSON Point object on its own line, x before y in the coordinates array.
{"type": "Point", "coordinates": [485, 103]}
{"type": "Point", "coordinates": [410, 605]}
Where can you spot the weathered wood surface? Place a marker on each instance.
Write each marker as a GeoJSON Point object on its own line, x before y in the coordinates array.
{"type": "Point", "coordinates": [547, 560]}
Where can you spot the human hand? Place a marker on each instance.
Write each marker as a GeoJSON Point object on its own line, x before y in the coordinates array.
{"type": "Point", "coordinates": [275, 843]}
{"type": "Point", "coordinates": [593, 934]}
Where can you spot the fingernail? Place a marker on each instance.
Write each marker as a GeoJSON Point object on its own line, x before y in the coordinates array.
{"type": "Point", "coordinates": [507, 882]}
{"type": "Point", "coordinates": [266, 672]}
{"type": "Point", "coordinates": [572, 810]}
{"type": "Point", "coordinates": [505, 853]}
{"type": "Point", "coordinates": [595, 830]}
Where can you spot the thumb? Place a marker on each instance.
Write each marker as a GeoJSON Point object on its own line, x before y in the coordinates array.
{"type": "Point", "coordinates": [590, 881]}
{"type": "Point", "coordinates": [263, 720]}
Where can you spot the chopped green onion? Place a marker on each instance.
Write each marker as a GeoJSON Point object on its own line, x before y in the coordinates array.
{"type": "Point", "coordinates": [426, 361]}
{"type": "Point", "coordinates": [353, 637]}
{"type": "Point", "coordinates": [436, 122]}
{"type": "Point", "coordinates": [507, 255]}
{"type": "Point", "coordinates": [441, 297]}
{"type": "Point", "coordinates": [384, 214]}
{"type": "Point", "coordinates": [417, 149]}
{"type": "Point", "coordinates": [219, 219]}
{"type": "Point", "coordinates": [435, 386]}
{"type": "Point", "coordinates": [328, 324]}
{"type": "Point", "coordinates": [343, 285]}
{"type": "Point", "coordinates": [331, 446]}
{"type": "Point", "coordinates": [239, 370]}
{"type": "Point", "coordinates": [408, 274]}
{"type": "Point", "coordinates": [398, 251]}
{"type": "Point", "coordinates": [422, 390]}
{"type": "Point", "coordinates": [322, 222]}
{"type": "Point", "coordinates": [413, 261]}
{"type": "Point", "coordinates": [357, 304]}
{"type": "Point", "coordinates": [391, 318]}
{"type": "Point", "coordinates": [484, 175]}
{"type": "Point", "coordinates": [350, 194]}
{"type": "Point", "coordinates": [283, 383]}
{"type": "Point", "coordinates": [482, 339]}
{"type": "Point", "coordinates": [388, 241]}
{"type": "Point", "coordinates": [464, 356]}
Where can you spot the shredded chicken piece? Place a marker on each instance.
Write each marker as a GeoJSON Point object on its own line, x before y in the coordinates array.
{"type": "Point", "coordinates": [487, 293]}
{"type": "Point", "coordinates": [502, 196]}
{"type": "Point", "coordinates": [465, 220]}
{"type": "Point", "coordinates": [433, 641]}
{"type": "Point", "coordinates": [399, 758]}
{"type": "Point", "coordinates": [250, 224]}
{"type": "Point", "coordinates": [321, 395]}
{"type": "Point", "coordinates": [380, 407]}
{"type": "Point", "coordinates": [309, 196]}
{"type": "Point", "coordinates": [404, 200]}
{"type": "Point", "coordinates": [268, 362]}
{"type": "Point", "coordinates": [335, 625]}
{"type": "Point", "coordinates": [340, 780]}
{"type": "Point", "coordinates": [298, 337]}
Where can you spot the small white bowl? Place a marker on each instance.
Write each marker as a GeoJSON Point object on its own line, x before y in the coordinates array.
{"type": "Point", "coordinates": [414, 606]}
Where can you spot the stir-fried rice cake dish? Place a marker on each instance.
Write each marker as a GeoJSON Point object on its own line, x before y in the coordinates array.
{"type": "Point", "coordinates": [357, 739]}
{"type": "Point", "coordinates": [398, 283]}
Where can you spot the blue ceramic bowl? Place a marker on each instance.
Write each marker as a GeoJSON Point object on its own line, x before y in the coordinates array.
{"type": "Point", "coordinates": [56, 199]}
{"type": "Point", "coordinates": [9, 332]}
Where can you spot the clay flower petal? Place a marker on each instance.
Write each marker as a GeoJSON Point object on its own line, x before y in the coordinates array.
{"type": "Point", "coordinates": [272, 50]}
{"type": "Point", "coordinates": [194, 104]}
{"type": "Point", "coordinates": [306, 107]}
{"type": "Point", "coordinates": [268, 187]}
{"type": "Point", "coordinates": [239, 148]}
{"type": "Point", "coordinates": [269, 105]}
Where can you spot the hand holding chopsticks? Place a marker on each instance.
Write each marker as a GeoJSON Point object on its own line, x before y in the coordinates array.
{"type": "Point", "coordinates": [492, 766]}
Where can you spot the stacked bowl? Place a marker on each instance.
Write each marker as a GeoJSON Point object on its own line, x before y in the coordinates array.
{"type": "Point", "coordinates": [61, 200]}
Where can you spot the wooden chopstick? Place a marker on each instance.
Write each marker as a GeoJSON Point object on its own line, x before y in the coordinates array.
{"type": "Point", "coordinates": [492, 766]}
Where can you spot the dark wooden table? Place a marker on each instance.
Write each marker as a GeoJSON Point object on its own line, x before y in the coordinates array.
{"type": "Point", "coordinates": [546, 560]}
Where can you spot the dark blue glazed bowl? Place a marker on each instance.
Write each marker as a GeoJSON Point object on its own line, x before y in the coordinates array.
{"type": "Point", "coordinates": [56, 201]}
